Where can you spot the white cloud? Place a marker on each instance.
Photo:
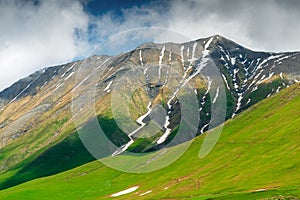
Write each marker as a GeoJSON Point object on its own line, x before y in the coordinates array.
{"type": "Point", "coordinates": [269, 25]}
{"type": "Point", "coordinates": [35, 36]}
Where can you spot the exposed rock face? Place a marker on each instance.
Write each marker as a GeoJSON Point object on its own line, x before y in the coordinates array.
{"type": "Point", "coordinates": [248, 77]}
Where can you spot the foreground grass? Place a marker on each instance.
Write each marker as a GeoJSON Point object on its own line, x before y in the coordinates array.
{"type": "Point", "coordinates": [256, 157]}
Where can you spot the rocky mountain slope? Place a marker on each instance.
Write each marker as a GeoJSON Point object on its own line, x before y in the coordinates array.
{"type": "Point", "coordinates": [38, 109]}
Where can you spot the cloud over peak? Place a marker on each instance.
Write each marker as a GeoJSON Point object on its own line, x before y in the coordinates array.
{"type": "Point", "coordinates": [39, 33]}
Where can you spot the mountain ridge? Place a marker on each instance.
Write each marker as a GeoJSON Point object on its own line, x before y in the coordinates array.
{"type": "Point", "coordinates": [43, 101]}
{"type": "Point", "coordinates": [3, 93]}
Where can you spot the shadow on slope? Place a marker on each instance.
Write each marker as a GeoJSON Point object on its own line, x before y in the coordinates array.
{"type": "Point", "coordinates": [65, 155]}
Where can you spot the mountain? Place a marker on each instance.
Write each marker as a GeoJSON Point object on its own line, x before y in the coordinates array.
{"type": "Point", "coordinates": [256, 157]}
{"type": "Point", "coordinates": [38, 113]}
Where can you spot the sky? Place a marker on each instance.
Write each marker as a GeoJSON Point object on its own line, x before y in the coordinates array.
{"type": "Point", "coordinates": [38, 33]}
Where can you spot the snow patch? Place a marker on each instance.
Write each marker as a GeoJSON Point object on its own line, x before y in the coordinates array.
{"type": "Point", "coordinates": [108, 86]}
{"type": "Point", "coordinates": [181, 54]}
{"type": "Point", "coordinates": [278, 89]}
{"type": "Point", "coordinates": [141, 118]}
{"type": "Point", "coordinates": [238, 104]}
{"type": "Point", "coordinates": [222, 58]}
{"type": "Point", "coordinates": [139, 121]}
{"type": "Point", "coordinates": [207, 91]}
{"type": "Point", "coordinates": [70, 68]}
{"type": "Point", "coordinates": [167, 132]}
{"type": "Point", "coordinates": [208, 43]}
{"type": "Point", "coordinates": [141, 59]}
{"type": "Point", "coordinates": [162, 53]}
{"type": "Point", "coordinates": [281, 75]}
{"type": "Point", "coordinates": [58, 86]}
{"type": "Point", "coordinates": [217, 95]}
{"type": "Point", "coordinates": [225, 80]}
{"type": "Point", "coordinates": [268, 59]}
{"type": "Point", "coordinates": [264, 79]}
{"type": "Point", "coordinates": [236, 86]}
{"type": "Point", "coordinates": [285, 57]}
{"type": "Point", "coordinates": [235, 71]}
{"type": "Point", "coordinates": [71, 74]}
{"type": "Point", "coordinates": [208, 85]}
{"type": "Point", "coordinates": [255, 88]}
{"type": "Point", "coordinates": [127, 191]}
{"type": "Point", "coordinates": [202, 129]}
{"type": "Point", "coordinates": [145, 71]}
{"type": "Point", "coordinates": [260, 190]}
{"type": "Point", "coordinates": [193, 53]}
{"type": "Point", "coordinates": [233, 60]}
{"type": "Point", "coordinates": [145, 193]}
{"type": "Point", "coordinates": [249, 100]}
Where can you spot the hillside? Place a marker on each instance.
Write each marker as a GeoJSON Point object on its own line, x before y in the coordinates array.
{"type": "Point", "coordinates": [36, 114]}
{"type": "Point", "coordinates": [255, 157]}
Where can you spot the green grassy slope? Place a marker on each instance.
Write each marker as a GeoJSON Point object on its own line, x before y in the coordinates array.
{"type": "Point", "coordinates": [258, 150]}
{"type": "Point", "coordinates": [66, 154]}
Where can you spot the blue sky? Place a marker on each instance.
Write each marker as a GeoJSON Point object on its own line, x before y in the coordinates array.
{"type": "Point", "coordinates": [101, 7]}
{"type": "Point", "coordinates": [40, 33]}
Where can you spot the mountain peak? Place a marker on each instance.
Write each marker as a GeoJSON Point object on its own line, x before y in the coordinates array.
{"type": "Point", "coordinates": [248, 77]}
